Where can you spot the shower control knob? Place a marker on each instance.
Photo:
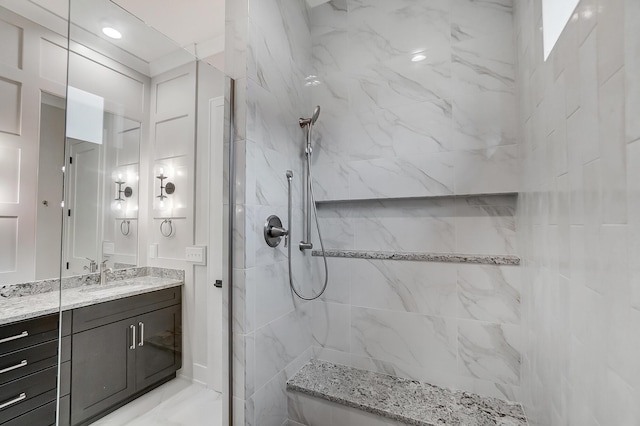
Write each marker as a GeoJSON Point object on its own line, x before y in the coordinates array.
{"type": "Point", "coordinates": [273, 231]}
{"type": "Point", "coordinates": [278, 232]}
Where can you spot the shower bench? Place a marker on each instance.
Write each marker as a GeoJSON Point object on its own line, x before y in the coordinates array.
{"type": "Point", "coordinates": [387, 400]}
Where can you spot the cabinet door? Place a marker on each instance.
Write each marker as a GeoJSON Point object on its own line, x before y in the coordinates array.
{"type": "Point", "coordinates": [158, 350]}
{"type": "Point", "coordinates": [102, 369]}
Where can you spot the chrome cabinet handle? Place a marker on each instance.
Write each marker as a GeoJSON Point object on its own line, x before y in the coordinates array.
{"type": "Point", "coordinates": [13, 401]}
{"type": "Point", "coordinates": [23, 363]}
{"type": "Point", "coordinates": [141, 325]}
{"type": "Point", "coordinates": [133, 336]}
{"type": "Point", "coordinates": [17, 336]}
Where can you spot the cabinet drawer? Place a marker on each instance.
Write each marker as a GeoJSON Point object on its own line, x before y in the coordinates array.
{"type": "Point", "coordinates": [41, 416]}
{"type": "Point", "coordinates": [27, 361]}
{"type": "Point", "coordinates": [117, 310]}
{"type": "Point", "coordinates": [27, 333]}
{"type": "Point", "coordinates": [27, 393]}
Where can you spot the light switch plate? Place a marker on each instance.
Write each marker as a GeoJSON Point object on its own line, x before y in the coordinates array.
{"type": "Point", "coordinates": [196, 255]}
{"type": "Point", "coordinates": [108, 248]}
{"type": "Point", "coordinates": [153, 251]}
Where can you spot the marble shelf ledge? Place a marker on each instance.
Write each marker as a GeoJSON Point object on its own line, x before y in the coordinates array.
{"type": "Point", "coordinates": [404, 400]}
{"type": "Point", "coordinates": [483, 259]}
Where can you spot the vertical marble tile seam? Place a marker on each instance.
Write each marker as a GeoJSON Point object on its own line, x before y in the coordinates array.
{"type": "Point", "coordinates": [612, 148]}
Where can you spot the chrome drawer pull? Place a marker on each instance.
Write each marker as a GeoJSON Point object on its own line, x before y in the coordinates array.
{"type": "Point", "coordinates": [133, 337]}
{"type": "Point", "coordinates": [14, 401]}
{"type": "Point", "coordinates": [17, 336]}
{"type": "Point", "coordinates": [23, 363]}
{"type": "Point", "coordinates": [141, 325]}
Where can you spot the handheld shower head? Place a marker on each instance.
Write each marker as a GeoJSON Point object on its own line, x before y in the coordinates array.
{"type": "Point", "coordinates": [310, 121]}
{"type": "Point", "coordinates": [316, 114]}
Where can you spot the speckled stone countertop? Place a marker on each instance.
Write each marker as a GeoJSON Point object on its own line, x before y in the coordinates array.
{"type": "Point", "coordinates": [403, 400]}
{"type": "Point", "coordinates": [485, 259]}
{"type": "Point", "coordinates": [29, 300]}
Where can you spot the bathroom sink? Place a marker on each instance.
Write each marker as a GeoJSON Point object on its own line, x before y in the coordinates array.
{"type": "Point", "coordinates": [103, 287]}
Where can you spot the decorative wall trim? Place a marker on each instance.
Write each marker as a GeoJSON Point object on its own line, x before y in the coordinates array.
{"type": "Point", "coordinates": [485, 259]}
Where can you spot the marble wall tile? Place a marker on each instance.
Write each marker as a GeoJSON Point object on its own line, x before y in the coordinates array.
{"type": "Point", "coordinates": [485, 229]}
{"type": "Point", "coordinates": [330, 325]}
{"type": "Point", "coordinates": [489, 293]}
{"type": "Point", "coordinates": [431, 374]}
{"type": "Point", "coordinates": [631, 70]}
{"type": "Point", "coordinates": [400, 81]}
{"type": "Point", "coordinates": [270, 403]}
{"type": "Point", "coordinates": [420, 287]}
{"type": "Point", "coordinates": [431, 229]}
{"type": "Point", "coordinates": [480, 19]}
{"type": "Point", "coordinates": [404, 338]}
{"type": "Point", "coordinates": [633, 240]}
{"type": "Point", "coordinates": [279, 343]}
{"type": "Point", "coordinates": [489, 351]}
{"type": "Point", "coordinates": [397, 177]}
{"type": "Point", "coordinates": [381, 30]}
{"type": "Point", "coordinates": [578, 280]}
{"type": "Point", "coordinates": [610, 38]}
{"type": "Point", "coordinates": [589, 98]}
{"type": "Point", "coordinates": [272, 295]}
{"type": "Point", "coordinates": [613, 149]}
{"type": "Point", "coordinates": [307, 410]}
{"type": "Point", "coordinates": [486, 171]}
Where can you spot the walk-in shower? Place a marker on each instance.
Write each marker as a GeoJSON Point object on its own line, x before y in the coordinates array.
{"type": "Point", "coordinates": [273, 230]}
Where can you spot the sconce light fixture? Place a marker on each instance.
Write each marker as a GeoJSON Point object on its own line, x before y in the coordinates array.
{"type": "Point", "coordinates": [127, 191]}
{"type": "Point", "coordinates": [165, 189]}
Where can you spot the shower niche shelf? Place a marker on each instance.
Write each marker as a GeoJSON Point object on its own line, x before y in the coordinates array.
{"type": "Point", "coordinates": [427, 197]}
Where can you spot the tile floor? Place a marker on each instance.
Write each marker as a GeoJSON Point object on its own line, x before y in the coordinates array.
{"type": "Point", "coordinates": [176, 403]}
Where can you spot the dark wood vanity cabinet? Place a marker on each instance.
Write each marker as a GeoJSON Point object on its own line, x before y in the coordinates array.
{"type": "Point", "coordinates": [110, 354]}
{"type": "Point", "coordinates": [118, 359]}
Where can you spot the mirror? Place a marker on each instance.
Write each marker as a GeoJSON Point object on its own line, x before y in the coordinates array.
{"type": "Point", "coordinates": [112, 104]}
{"type": "Point", "coordinates": [33, 68]}
{"type": "Point", "coordinates": [102, 198]}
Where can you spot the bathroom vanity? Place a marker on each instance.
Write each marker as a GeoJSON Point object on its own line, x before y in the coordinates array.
{"type": "Point", "coordinates": [119, 340]}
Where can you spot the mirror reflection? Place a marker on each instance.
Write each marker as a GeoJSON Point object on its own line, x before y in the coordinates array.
{"type": "Point", "coordinates": [102, 198]}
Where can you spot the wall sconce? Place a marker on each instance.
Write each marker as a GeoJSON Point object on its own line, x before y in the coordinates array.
{"type": "Point", "coordinates": [165, 189]}
{"type": "Point", "coordinates": [127, 191]}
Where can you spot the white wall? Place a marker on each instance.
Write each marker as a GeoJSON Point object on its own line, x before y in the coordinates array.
{"type": "Point", "coordinates": [579, 215]}
{"type": "Point", "coordinates": [180, 142]}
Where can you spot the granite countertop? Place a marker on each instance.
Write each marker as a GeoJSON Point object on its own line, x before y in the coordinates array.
{"type": "Point", "coordinates": [25, 305]}
{"type": "Point", "coordinates": [404, 400]}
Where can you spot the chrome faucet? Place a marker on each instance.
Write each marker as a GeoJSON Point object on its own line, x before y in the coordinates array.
{"type": "Point", "coordinates": [103, 271]}
{"type": "Point", "coordinates": [93, 266]}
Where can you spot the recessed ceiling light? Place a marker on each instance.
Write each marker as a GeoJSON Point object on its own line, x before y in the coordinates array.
{"type": "Point", "coordinates": [419, 57]}
{"type": "Point", "coordinates": [112, 32]}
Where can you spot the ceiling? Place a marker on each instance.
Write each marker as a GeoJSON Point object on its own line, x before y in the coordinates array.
{"type": "Point", "coordinates": [154, 32]}
{"type": "Point", "coordinates": [187, 22]}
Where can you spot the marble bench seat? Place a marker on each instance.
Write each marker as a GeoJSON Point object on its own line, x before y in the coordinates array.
{"type": "Point", "coordinates": [402, 400]}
